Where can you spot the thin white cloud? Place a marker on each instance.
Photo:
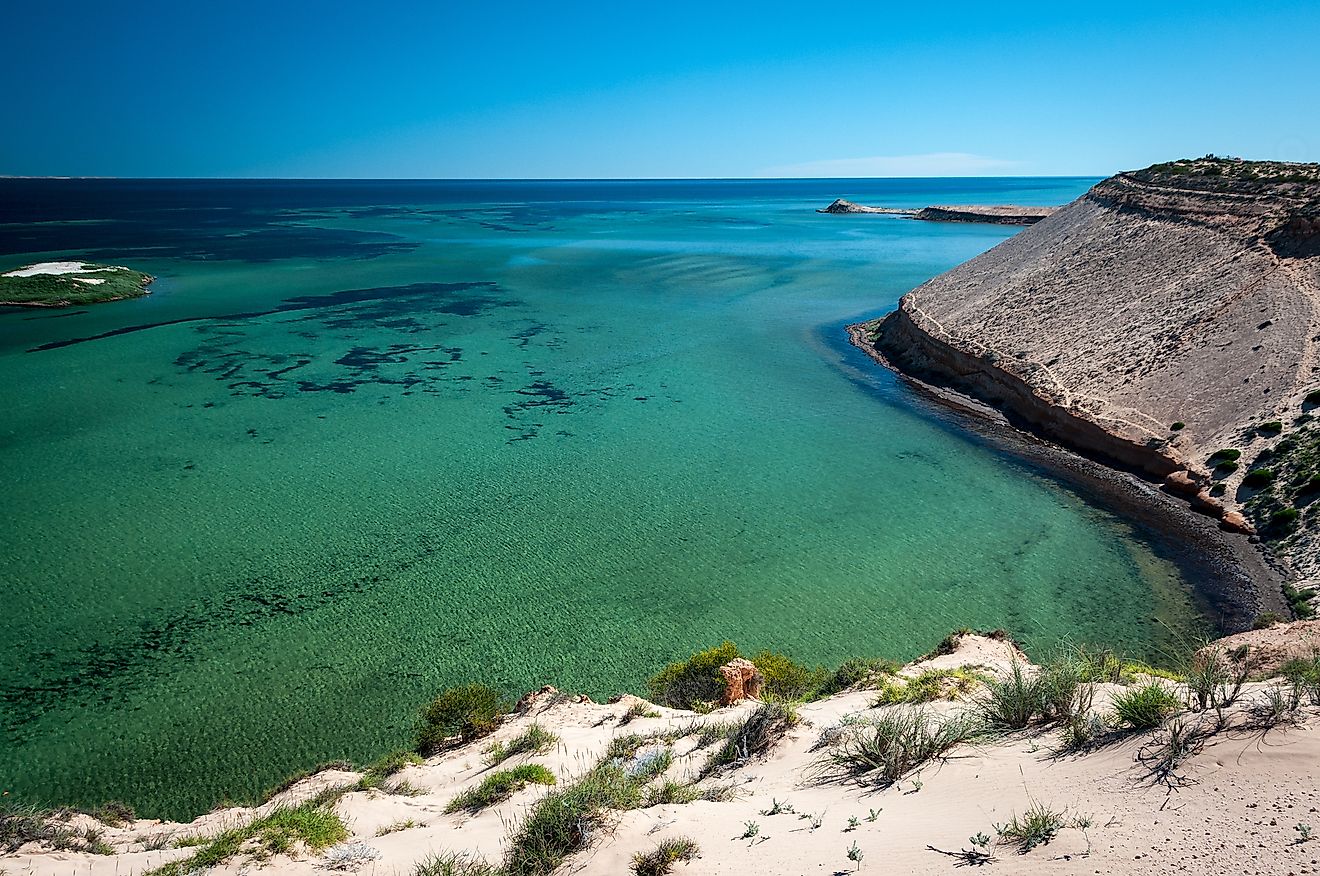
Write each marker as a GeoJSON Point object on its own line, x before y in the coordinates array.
{"type": "Point", "coordinates": [929, 164]}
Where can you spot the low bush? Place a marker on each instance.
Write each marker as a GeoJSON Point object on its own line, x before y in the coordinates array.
{"type": "Point", "coordinates": [694, 683]}
{"type": "Point", "coordinates": [1273, 427]}
{"type": "Point", "coordinates": [1228, 454]}
{"type": "Point", "coordinates": [929, 685]}
{"type": "Point", "coordinates": [1259, 477]}
{"type": "Point", "coordinates": [1144, 707]}
{"type": "Point", "coordinates": [467, 712]}
{"type": "Point", "coordinates": [787, 681]}
{"type": "Point", "coordinates": [500, 786]}
{"type": "Point", "coordinates": [855, 673]}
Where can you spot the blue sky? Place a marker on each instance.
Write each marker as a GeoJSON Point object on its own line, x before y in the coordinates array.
{"type": "Point", "coordinates": [508, 89]}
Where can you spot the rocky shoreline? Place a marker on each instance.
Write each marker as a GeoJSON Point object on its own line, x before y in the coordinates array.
{"type": "Point", "coordinates": [1234, 576]}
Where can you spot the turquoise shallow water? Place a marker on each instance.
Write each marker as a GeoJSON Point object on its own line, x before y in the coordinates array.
{"type": "Point", "coordinates": [362, 443]}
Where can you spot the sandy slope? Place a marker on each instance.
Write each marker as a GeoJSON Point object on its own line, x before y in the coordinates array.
{"type": "Point", "coordinates": [1235, 812]}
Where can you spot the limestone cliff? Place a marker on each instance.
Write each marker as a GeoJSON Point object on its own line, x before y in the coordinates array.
{"type": "Point", "coordinates": [1167, 321]}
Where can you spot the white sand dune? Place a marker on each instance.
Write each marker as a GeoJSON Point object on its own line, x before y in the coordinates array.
{"type": "Point", "coordinates": [1232, 808]}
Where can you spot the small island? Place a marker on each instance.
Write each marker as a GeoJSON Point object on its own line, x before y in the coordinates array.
{"type": "Point", "coordinates": [64, 284]}
{"type": "Point", "coordinates": [1003, 214]}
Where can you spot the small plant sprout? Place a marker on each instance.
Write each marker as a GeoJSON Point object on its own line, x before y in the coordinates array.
{"type": "Point", "coordinates": [750, 830]}
{"type": "Point", "coordinates": [979, 841]}
{"type": "Point", "coordinates": [777, 808]}
{"type": "Point", "coordinates": [1303, 833]}
{"type": "Point", "coordinates": [917, 785]}
{"type": "Point", "coordinates": [853, 823]}
{"type": "Point", "coordinates": [875, 813]}
{"type": "Point", "coordinates": [816, 821]}
{"type": "Point", "coordinates": [855, 855]}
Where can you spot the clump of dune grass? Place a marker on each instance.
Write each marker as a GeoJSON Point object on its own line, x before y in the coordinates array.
{"type": "Point", "coordinates": [461, 714]}
{"type": "Point", "coordinates": [639, 709]}
{"type": "Point", "coordinates": [500, 786]}
{"type": "Point", "coordinates": [1145, 706]}
{"type": "Point", "coordinates": [564, 821]}
{"type": "Point", "coordinates": [1170, 747]}
{"type": "Point", "coordinates": [669, 791]}
{"type": "Point", "coordinates": [376, 773]}
{"type": "Point", "coordinates": [534, 740]}
{"type": "Point", "coordinates": [1035, 827]}
{"type": "Point", "coordinates": [755, 735]}
{"type": "Point", "coordinates": [313, 823]}
{"type": "Point", "coordinates": [886, 748]}
{"type": "Point", "coordinates": [661, 860]}
{"type": "Point", "coordinates": [928, 686]}
{"type": "Point", "coordinates": [1011, 702]}
{"type": "Point", "coordinates": [454, 864]}
{"type": "Point", "coordinates": [22, 824]}
{"type": "Point", "coordinates": [1213, 683]}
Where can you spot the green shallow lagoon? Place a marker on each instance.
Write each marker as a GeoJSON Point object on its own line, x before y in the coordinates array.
{"type": "Point", "coordinates": [363, 443]}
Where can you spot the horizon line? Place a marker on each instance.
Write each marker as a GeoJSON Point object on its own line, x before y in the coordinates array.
{"type": "Point", "coordinates": [546, 179]}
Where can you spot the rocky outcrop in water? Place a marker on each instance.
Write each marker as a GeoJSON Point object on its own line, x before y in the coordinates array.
{"type": "Point", "coordinates": [1168, 322]}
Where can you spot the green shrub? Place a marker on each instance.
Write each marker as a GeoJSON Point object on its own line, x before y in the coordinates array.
{"type": "Point", "coordinates": [469, 712]}
{"type": "Point", "coordinates": [1227, 467]}
{"type": "Point", "coordinates": [856, 672]}
{"type": "Point", "coordinates": [1273, 427]}
{"type": "Point", "coordinates": [695, 682]}
{"type": "Point", "coordinates": [1218, 490]}
{"type": "Point", "coordinates": [534, 740]}
{"type": "Point", "coordinates": [929, 685]}
{"type": "Point", "coordinates": [1259, 477]}
{"type": "Point", "coordinates": [500, 786]}
{"type": "Point", "coordinates": [1267, 619]}
{"type": "Point", "coordinates": [661, 860]}
{"type": "Point", "coordinates": [1178, 427]}
{"type": "Point", "coordinates": [1299, 600]}
{"type": "Point", "coordinates": [1228, 454]}
{"type": "Point", "coordinates": [1144, 707]}
{"type": "Point", "coordinates": [1284, 518]}
{"type": "Point", "coordinates": [787, 681]}
{"type": "Point", "coordinates": [1313, 397]}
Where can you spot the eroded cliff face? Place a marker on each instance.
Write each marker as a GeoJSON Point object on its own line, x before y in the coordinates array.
{"type": "Point", "coordinates": [1164, 316]}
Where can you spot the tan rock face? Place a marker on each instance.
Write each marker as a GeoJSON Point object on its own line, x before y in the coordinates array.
{"type": "Point", "coordinates": [1154, 299]}
{"type": "Point", "coordinates": [1270, 648]}
{"type": "Point", "coordinates": [741, 681]}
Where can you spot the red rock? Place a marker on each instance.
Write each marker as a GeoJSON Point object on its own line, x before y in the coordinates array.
{"type": "Point", "coordinates": [741, 681]}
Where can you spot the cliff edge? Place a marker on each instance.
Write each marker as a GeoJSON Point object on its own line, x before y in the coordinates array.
{"type": "Point", "coordinates": [1167, 322]}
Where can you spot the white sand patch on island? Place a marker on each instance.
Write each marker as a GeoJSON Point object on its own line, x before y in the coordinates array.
{"type": "Point", "coordinates": [92, 281]}
{"type": "Point", "coordinates": [61, 268]}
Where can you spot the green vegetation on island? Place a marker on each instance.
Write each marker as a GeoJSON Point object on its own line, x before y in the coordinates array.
{"type": "Point", "coordinates": [67, 284]}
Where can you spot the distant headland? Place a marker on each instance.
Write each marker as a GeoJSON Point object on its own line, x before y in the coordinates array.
{"type": "Point", "coordinates": [1004, 214]}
